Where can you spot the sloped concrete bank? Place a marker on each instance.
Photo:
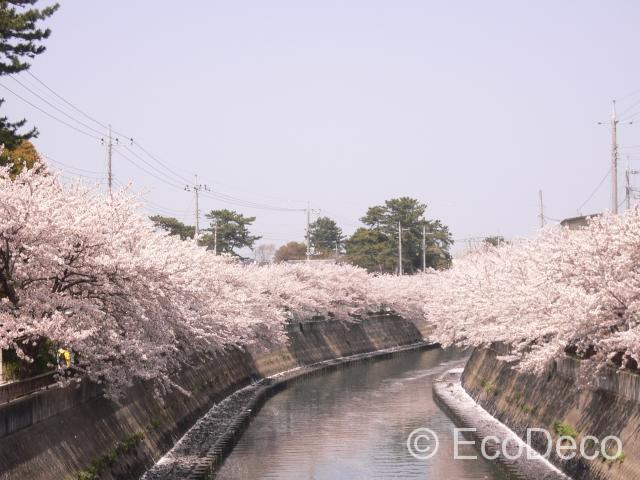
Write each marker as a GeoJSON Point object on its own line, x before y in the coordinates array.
{"type": "Point", "coordinates": [515, 457]}
{"type": "Point", "coordinates": [553, 402]}
{"type": "Point", "coordinates": [76, 433]}
{"type": "Point", "coordinates": [199, 454]}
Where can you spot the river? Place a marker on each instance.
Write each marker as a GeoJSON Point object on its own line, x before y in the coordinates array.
{"type": "Point", "coordinates": [353, 423]}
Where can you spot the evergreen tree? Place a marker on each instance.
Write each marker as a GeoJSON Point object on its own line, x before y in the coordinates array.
{"type": "Point", "coordinates": [20, 40]}
{"type": "Point", "coordinates": [495, 240]}
{"type": "Point", "coordinates": [173, 226]}
{"type": "Point", "coordinates": [326, 236]}
{"type": "Point", "coordinates": [376, 247]}
{"type": "Point", "coordinates": [231, 229]}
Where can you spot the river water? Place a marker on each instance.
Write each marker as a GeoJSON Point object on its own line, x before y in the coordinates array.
{"type": "Point", "coordinates": [353, 423]}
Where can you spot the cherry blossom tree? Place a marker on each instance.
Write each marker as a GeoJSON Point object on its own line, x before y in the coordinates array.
{"type": "Point", "coordinates": [89, 272]}
{"type": "Point", "coordinates": [565, 290]}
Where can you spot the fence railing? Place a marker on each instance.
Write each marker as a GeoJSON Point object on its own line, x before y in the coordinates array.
{"type": "Point", "coordinates": [17, 389]}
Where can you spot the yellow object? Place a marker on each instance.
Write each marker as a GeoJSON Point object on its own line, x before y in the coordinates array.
{"type": "Point", "coordinates": [66, 355]}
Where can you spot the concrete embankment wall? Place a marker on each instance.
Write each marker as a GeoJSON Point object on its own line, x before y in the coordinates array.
{"type": "Point", "coordinates": [65, 433]}
{"type": "Point", "coordinates": [524, 401]}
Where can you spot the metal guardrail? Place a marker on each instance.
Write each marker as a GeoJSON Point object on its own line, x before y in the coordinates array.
{"type": "Point", "coordinates": [17, 389]}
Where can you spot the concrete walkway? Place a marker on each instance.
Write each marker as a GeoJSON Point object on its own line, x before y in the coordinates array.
{"type": "Point", "coordinates": [466, 413]}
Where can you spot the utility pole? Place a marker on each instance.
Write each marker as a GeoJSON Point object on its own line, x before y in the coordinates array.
{"type": "Point", "coordinates": [109, 156]}
{"type": "Point", "coordinates": [614, 161]}
{"type": "Point", "coordinates": [614, 158]}
{"type": "Point", "coordinates": [541, 214]}
{"type": "Point", "coordinates": [424, 248]}
{"type": "Point", "coordinates": [309, 211]}
{"type": "Point", "coordinates": [196, 187]}
{"type": "Point", "coordinates": [627, 184]}
{"type": "Point", "coordinates": [399, 249]}
{"type": "Point", "coordinates": [215, 237]}
{"type": "Point", "coordinates": [109, 143]}
{"type": "Point", "coordinates": [308, 231]}
{"type": "Point", "coordinates": [627, 188]}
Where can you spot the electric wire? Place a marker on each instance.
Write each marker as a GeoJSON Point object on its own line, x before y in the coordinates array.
{"type": "Point", "coordinates": [168, 180]}
{"type": "Point", "coordinates": [49, 114]}
{"type": "Point", "coordinates": [169, 177]}
{"type": "Point", "coordinates": [61, 164]}
{"type": "Point", "coordinates": [89, 127]}
{"type": "Point", "coordinates": [66, 101]}
{"type": "Point", "coordinates": [594, 191]}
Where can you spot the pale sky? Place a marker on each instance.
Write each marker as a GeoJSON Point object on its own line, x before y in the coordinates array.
{"type": "Point", "coordinates": [471, 107]}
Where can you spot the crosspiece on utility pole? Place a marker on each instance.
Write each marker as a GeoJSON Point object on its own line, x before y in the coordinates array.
{"type": "Point", "coordinates": [614, 158]}
{"type": "Point", "coordinates": [110, 143]}
{"type": "Point", "coordinates": [195, 188]}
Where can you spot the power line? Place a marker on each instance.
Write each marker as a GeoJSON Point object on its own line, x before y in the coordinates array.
{"type": "Point", "coordinates": [594, 191]}
{"type": "Point", "coordinates": [630, 94]}
{"type": "Point", "coordinates": [171, 184]}
{"type": "Point", "coordinates": [212, 194]}
{"type": "Point", "coordinates": [247, 203]}
{"type": "Point", "coordinates": [155, 172]}
{"type": "Point", "coordinates": [178, 177]}
{"type": "Point", "coordinates": [160, 162]}
{"type": "Point", "coordinates": [49, 114]}
{"type": "Point", "coordinates": [167, 210]}
{"type": "Point", "coordinates": [61, 164]}
{"type": "Point", "coordinates": [89, 127]}
{"type": "Point", "coordinates": [631, 107]}
{"type": "Point", "coordinates": [66, 101]}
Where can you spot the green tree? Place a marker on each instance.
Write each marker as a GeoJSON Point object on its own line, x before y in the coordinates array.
{"type": "Point", "coordinates": [376, 247]}
{"type": "Point", "coordinates": [20, 40]}
{"type": "Point", "coordinates": [371, 249]}
{"type": "Point", "coordinates": [291, 251]}
{"type": "Point", "coordinates": [173, 226]}
{"type": "Point", "coordinates": [325, 236]}
{"type": "Point", "coordinates": [495, 240]}
{"type": "Point", "coordinates": [231, 229]}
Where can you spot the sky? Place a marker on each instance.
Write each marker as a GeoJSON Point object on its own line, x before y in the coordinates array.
{"type": "Point", "coordinates": [470, 107]}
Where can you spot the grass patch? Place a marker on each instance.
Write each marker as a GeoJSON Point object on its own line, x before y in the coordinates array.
{"type": "Point", "coordinates": [526, 408]}
{"type": "Point", "coordinates": [487, 386]}
{"type": "Point", "coordinates": [564, 429]}
{"type": "Point", "coordinates": [619, 458]}
{"type": "Point", "coordinates": [100, 464]}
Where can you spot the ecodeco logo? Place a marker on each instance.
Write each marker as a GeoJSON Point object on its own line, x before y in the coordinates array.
{"type": "Point", "coordinates": [423, 444]}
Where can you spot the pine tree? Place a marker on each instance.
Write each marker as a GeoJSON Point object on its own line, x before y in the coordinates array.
{"type": "Point", "coordinates": [326, 236]}
{"type": "Point", "coordinates": [20, 40]}
{"type": "Point", "coordinates": [229, 232]}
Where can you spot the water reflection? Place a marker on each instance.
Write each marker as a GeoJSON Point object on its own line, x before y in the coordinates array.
{"type": "Point", "coordinates": [353, 424]}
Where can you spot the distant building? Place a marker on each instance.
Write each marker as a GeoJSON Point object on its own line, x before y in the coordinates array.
{"type": "Point", "coordinates": [574, 223]}
{"type": "Point", "coordinates": [313, 260]}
